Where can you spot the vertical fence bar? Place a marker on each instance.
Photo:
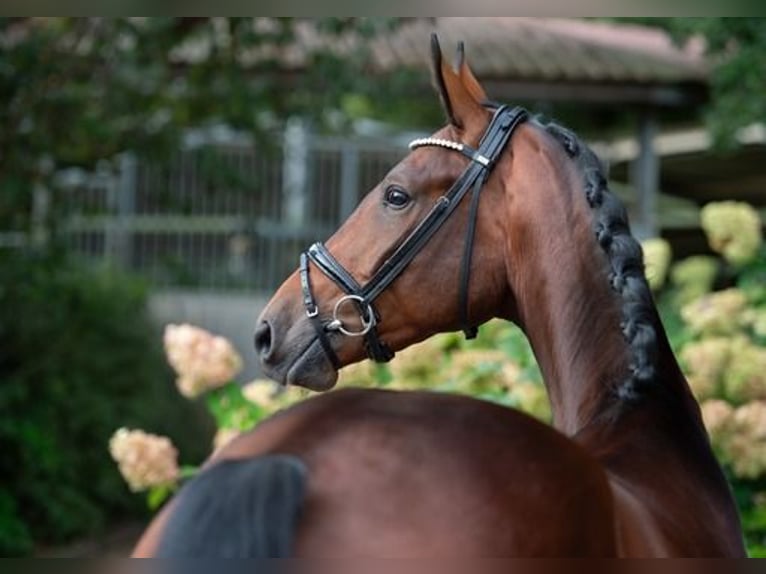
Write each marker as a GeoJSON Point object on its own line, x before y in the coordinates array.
{"type": "Point", "coordinates": [41, 201]}
{"type": "Point", "coordinates": [121, 197]}
{"type": "Point", "coordinates": [646, 175]}
{"type": "Point", "coordinates": [349, 180]}
{"type": "Point", "coordinates": [295, 171]}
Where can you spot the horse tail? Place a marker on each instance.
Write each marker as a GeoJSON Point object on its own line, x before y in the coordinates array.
{"type": "Point", "coordinates": [246, 508]}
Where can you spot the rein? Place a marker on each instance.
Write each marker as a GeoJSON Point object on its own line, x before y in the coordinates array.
{"type": "Point", "coordinates": [497, 135]}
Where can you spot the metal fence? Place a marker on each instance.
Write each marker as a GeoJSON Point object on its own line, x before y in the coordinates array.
{"type": "Point", "coordinates": [241, 228]}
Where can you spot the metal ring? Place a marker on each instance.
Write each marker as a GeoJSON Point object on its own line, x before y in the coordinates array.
{"type": "Point", "coordinates": [366, 326]}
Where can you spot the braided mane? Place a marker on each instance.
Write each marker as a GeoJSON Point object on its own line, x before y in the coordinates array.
{"type": "Point", "coordinates": [612, 232]}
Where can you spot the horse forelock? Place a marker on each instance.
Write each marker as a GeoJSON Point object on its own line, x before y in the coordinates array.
{"type": "Point", "coordinates": [627, 280]}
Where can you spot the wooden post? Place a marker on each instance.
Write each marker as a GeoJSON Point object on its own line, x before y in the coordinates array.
{"type": "Point", "coordinates": [646, 176]}
{"type": "Point", "coordinates": [121, 200]}
{"type": "Point", "coordinates": [295, 171]}
{"type": "Point", "coordinates": [41, 205]}
{"type": "Point", "coordinates": [349, 180]}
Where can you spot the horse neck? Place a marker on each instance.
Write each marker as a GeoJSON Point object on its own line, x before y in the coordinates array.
{"type": "Point", "coordinates": [566, 303]}
{"type": "Point", "coordinates": [625, 402]}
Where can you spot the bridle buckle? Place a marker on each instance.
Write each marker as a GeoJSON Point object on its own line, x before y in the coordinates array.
{"type": "Point", "coordinates": [312, 312]}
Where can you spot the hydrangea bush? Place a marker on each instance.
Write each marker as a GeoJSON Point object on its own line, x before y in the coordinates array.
{"type": "Point", "coordinates": [715, 312]}
{"type": "Point", "coordinates": [719, 335]}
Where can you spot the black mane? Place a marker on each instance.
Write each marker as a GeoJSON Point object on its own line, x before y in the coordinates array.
{"type": "Point", "coordinates": [612, 232]}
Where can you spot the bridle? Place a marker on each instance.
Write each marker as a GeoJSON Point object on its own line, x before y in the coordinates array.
{"type": "Point", "coordinates": [498, 133]}
{"type": "Point", "coordinates": [504, 122]}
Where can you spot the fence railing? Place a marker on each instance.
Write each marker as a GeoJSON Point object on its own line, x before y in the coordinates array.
{"type": "Point", "coordinates": [236, 219]}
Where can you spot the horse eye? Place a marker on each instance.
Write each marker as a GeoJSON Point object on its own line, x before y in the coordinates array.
{"type": "Point", "coordinates": [396, 197]}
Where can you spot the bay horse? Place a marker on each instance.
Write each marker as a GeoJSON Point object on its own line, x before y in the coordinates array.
{"type": "Point", "coordinates": [627, 469]}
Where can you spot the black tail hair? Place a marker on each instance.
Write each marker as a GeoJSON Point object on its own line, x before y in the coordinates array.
{"type": "Point", "coordinates": [237, 509]}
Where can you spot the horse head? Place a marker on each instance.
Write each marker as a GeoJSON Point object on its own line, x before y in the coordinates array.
{"type": "Point", "coordinates": [454, 272]}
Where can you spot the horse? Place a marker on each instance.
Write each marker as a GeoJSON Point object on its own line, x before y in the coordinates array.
{"type": "Point", "coordinates": [625, 470]}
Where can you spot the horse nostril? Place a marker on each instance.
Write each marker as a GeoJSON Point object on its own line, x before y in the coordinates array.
{"type": "Point", "coordinates": [263, 339]}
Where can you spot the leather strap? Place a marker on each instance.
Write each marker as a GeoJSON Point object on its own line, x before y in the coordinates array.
{"type": "Point", "coordinates": [330, 266]}
{"type": "Point", "coordinates": [465, 268]}
{"type": "Point", "coordinates": [312, 312]}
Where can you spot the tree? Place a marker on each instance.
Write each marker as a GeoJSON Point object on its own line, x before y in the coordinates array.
{"type": "Point", "coordinates": [79, 90]}
{"type": "Point", "coordinates": [736, 49]}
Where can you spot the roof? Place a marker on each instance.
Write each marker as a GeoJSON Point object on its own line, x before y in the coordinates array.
{"type": "Point", "coordinates": [548, 49]}
{"type": "Point", "coordinates": [551, 59]}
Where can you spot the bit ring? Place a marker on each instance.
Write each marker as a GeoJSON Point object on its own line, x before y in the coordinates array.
{"type": "Point", "coordinates": [337, 325]}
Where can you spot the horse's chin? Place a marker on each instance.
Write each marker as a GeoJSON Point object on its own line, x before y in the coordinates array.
{"type": "Point", "coordinates": [312, 370]}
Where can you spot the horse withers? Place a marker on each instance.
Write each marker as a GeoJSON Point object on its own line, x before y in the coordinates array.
{"type": "Point", "coordinates": [495, 215]}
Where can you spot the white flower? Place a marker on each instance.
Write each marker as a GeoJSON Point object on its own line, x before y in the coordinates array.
{"type": "Point", "coordinates": [746, 448]}
{"type": "Point", "coordinates": [145, 460]}
{"type": "Point", "coordinates": [719, 313]}
{"type": "Point", "coordinates": [260, 392]}
{"type": "Point", "coordinates": [745, 378]}
{"type": "Point", "coordinates": [694, 276]}
{"type": "Point", "coordinates": [717, 416]}
{"type": "Point", "coordinates": [202, 360]}
{"type": "Point", "coordinates": [756, 319]}
{"type": "Point", "coordinates": [705, 363]}
{"type": "Point", "coordinates": [657, 256]}
{"type": "Point", "coordinates": [733, 229]}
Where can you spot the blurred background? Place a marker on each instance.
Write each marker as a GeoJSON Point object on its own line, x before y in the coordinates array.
{"type": "Point", "coordinates": [170, 170]}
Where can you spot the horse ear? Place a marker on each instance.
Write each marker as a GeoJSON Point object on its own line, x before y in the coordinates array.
{"type": "Point", "coordinates": [439, 70]}
{"type": "Point", "coordinates": [469, 80]}
{"type": "Point", "coordinates": [461, 101]}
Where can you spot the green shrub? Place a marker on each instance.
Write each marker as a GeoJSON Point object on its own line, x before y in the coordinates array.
{"type": "Point", "coordinates": [78, 355]}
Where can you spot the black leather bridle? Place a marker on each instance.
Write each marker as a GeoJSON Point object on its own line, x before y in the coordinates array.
{"type": "Point", "coordinates": [504, 121]}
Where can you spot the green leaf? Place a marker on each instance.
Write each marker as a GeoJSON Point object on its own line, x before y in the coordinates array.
{"type": "Point", "coordinates": [157, 495]}
{"type": "Point", "coordinates": [187, 472]}
{"type": "Point", "coordinates": [231, 410]}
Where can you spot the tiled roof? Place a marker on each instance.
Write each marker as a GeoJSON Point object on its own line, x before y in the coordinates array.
{"type": "Point", "coordinates": [547, 50]}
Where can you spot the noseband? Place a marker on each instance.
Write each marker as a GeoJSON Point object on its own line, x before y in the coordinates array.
{"type": "Point", "coordinates": [504, 121]}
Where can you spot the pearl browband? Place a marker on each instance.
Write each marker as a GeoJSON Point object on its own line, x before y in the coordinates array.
{"type": "Point", "coordinates": [467, 151]}
{"type": "Point", "coordinates": [436, 141]}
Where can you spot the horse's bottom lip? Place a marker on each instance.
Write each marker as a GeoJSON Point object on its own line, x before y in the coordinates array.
{"type": "Point", "coordinates": [313, 362]}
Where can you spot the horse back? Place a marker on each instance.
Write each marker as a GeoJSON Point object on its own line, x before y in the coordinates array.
{"type": "Point", "coordinates": [428, 474]}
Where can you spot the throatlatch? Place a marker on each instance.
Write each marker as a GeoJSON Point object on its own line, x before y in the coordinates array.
{"type": "Point", "coordinates": [504, 122]}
